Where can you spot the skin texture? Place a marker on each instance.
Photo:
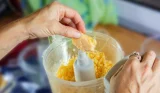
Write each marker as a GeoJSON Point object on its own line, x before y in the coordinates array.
{"type": "Point", "coordinates": [54, 19]}
{"type": "Point", "coordinates": [138, 75]}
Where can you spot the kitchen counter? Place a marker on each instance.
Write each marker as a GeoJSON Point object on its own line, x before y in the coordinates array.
{"type": "Point", "coordinates": [128, 39]}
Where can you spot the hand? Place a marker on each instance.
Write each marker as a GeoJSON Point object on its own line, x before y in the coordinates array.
{"type": "Point", "coordinates": [54, 19]}
{"type": "Point", "coordinates": [138, 75]}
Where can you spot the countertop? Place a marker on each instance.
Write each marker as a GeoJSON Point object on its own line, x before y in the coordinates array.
{"type": "Point", "coordinates": [128, 39]}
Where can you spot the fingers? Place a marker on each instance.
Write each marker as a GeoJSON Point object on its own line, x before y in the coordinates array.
{"type": "Point", "coordinates": [135, 55]}
{"type": "Point", "coordinates": [149, 58]}
{"type": "Point", "coordinates": [156, 66]}
{"type": "Point", "coordinates": [68, 22]}
{"type": "Point", "coordinates": [75, 17]}
{"type": "Point", "coordinates": [63, 30]}
{"type": "Point", "coordinates": [133, 60]}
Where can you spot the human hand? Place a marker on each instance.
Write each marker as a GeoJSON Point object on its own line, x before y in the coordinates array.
{"type": "Point", "coordinates": [54, 19]}
{"type": "Point", "coordinates": [138, 75]}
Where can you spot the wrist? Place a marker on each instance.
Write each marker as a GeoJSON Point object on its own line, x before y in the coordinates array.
{"type": "Point", "coordinates": [22, 25]}
{"type": "Point", "coordinates": [27, 24]}
{"type": "Point", "coordinates": [10, 36]}
{"type": "Point", "coordinates": [15, 30]}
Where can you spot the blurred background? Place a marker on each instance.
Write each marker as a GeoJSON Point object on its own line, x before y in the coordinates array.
{"type": "Point", "coordinates": [133, 23]}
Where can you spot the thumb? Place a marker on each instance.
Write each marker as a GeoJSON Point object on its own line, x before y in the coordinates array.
{"type": "Point", "coordinates": [66, 31]}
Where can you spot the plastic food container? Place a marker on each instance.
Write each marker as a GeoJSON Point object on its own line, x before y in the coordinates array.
{"type": "Point", "coordinates": [62, 49]}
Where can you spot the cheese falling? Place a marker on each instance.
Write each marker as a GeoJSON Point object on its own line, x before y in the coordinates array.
{"type": "Point", "coordinates": [85, 43]}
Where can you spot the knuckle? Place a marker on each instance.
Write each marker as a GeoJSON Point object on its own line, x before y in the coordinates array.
{"type": "Point", "coordinates": [134, 58]}
{"type": "Point", "coordinates": [75, 12]}
{"type": "Point", "coordinates": [151, 53]}
{"type": "Point", "coordinates": [146, 66]}
{"type": "Point", "coordinates": [133, 67]}
{"type": "Point", "coordinates": [66, 31]}
{"type": "Point", "coordinates": [133, 63]}
{"type": "Point", "coordinates": [55, 3]}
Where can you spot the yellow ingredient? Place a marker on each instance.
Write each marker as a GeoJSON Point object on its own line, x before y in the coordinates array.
{"type": "Point", "coordinates": [101, 65]}
{"type": "Point", "coordinates": [85, 43]}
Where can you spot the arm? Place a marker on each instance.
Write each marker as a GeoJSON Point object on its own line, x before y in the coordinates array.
{"type": "Point", "coordinates": [10, 36]}
{"type": "Point", "coordinates": [54, 19]}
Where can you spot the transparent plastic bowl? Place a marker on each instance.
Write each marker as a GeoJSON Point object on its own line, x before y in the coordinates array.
{"type": "Point", "coordinates": [62, 49]}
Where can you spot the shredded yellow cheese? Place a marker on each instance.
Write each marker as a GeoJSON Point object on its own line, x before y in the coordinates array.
{"type": "Point", "coordinates": [101, 65]}
{"type": "Point", "coordinates": [85, 43]}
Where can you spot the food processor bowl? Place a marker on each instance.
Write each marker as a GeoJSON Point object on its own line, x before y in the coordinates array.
{"type": "Point", "coordinates": [62, 49]}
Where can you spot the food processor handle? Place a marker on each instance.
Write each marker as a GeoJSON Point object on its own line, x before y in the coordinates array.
{"type": "Point", "coordinates": [115, 68]}
{"type": "Point", "coordinates": [111, 72]}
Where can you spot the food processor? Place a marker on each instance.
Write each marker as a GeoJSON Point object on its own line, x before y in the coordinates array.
{"type": "Point", "coordinates": [62, 49]}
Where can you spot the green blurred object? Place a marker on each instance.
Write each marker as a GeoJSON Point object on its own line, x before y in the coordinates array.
{"type": "Point", "coordinates": [30, 6]}
{"type": "Point", "coordinates": [92, 11]}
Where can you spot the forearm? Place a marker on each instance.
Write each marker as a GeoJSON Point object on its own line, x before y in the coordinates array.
{"type": "Point", "coordinates": [54, 19]}
{"type": "Point", "coordinates": [10, 36]}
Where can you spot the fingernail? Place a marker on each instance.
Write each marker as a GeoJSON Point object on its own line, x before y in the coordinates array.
{"type": "Point", "coordinates": [77, 35]}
